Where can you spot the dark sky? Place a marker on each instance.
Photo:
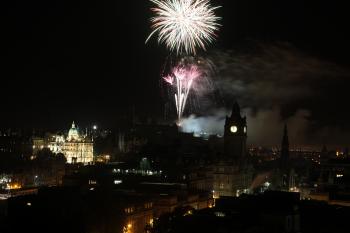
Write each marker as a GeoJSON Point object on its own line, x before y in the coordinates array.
{"type": "Point", "coordinates": [87, 61]}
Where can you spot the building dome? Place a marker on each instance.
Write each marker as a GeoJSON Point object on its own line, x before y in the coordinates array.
{"type": "Point", "coordinates": [73, 133]}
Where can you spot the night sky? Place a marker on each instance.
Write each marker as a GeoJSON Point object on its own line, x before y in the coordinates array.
{"type": "Point", "coordinates": [87, 60]}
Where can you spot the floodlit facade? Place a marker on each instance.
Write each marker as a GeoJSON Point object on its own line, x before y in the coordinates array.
{"type": "Point", "coordinates": [76, 148]}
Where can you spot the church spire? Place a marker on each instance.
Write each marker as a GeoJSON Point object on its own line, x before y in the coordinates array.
{"type": "Point", "coordinates": [73, 125]}
{"type": "Point", "coordinates": [285, 149]}
{"type": "Point", "coordinates": [285, 140]}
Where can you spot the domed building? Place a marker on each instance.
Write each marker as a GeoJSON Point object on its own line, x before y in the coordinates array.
{"type": "Point", "coordinates": [75, 147]}
{"type": "Point", "coordinates": [73, 134]}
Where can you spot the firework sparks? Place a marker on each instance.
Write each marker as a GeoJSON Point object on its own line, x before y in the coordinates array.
{"type": "Point", "coordinates": [184, 25]}
{"type": "Point", "coordinates": [182, 78]}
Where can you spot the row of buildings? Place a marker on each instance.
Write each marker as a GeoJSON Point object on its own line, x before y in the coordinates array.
{"type": "Point", "coordinates": [169, 172]}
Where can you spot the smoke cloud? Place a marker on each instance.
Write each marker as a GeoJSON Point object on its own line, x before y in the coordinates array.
{"type": "Point", "coordinates": [278, 84]}
{"type": "Point", "coordinates": [264, 127]}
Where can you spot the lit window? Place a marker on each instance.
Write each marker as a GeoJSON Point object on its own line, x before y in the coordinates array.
{"type": "Point", "coordinates": [118, 181]}
{"type": "Point", "coordinates": [148, 205]}
{"type": "Point", "coordinates": [129, 210]}
{"type": "Point", "coordinates": [220, 214]}
{"type": "Point", "coordinates": [92, 182]}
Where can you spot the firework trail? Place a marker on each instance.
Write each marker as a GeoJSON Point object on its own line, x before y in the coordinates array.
{"type": "Point", "coordinates": [184, 25]}
{"type": "Point", "coordinates": [182, 79]}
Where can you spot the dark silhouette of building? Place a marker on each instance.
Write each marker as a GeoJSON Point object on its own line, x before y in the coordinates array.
{"type": "Point", "coordinates": [14, 149]}
{"type": "Point", "coordinates": [324, 155]}
{"type": "Point", "coordinates": [286, 171]}
{"type": "Point", "coordinates": [284, 150]}
{"type": "Point", "coordinates": [268, 212]}
{"type": "Point", "coordinates": [235, 135]}
{"type": "Point", "coordinates": [233, 173]}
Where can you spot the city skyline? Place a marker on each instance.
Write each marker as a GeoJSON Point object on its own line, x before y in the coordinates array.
{"type": "Point", "coordinates": [55, 73]}
{"type": "Point", "coordinates": [174, 116]}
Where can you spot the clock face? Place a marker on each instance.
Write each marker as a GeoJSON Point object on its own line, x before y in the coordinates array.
{"type": "Point", "coordinates": [234, 129]}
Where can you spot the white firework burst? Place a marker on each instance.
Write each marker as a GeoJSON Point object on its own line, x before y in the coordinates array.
{"type": "Point", "coordinates": [184, 25]}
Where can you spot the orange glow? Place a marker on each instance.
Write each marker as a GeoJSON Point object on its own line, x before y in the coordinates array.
{"type": "Point", "coordinates": [13, 186]}
{"type": "Point", "coordinates": [127, 228]}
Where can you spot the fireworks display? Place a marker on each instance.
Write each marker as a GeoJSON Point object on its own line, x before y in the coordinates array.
{"type": "Point", "coordinates": [184, 25]}
{"type": "Point", "coordinates": [182, 79]}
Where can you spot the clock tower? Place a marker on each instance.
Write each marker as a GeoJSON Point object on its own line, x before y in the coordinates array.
{"type": "Point", "coordinates": [235, 136]}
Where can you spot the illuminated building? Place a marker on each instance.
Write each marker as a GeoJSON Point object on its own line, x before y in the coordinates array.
{"type": "Point", "coordinates": [138, 216]}
{"type": "Point", "coordinates": [103, 159]}
{"type": "Point", "coordinates": [76, 148]}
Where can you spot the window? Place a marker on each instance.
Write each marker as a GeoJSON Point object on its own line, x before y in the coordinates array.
{"type": "Point", "coordinates": [129, 210]}
{"type": "Point", "coordinates": [92, 181]}
{"type": "Point", "coordinates": [148, 205]}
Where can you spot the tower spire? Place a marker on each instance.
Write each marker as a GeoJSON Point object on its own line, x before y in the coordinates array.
{"type": "Point", "coordinates": [235, 134]}
{"type": "Point", "coordinates": [236, 110]}
{"type": "Point", "coordinates": [285, 148]}
{"type": "Point", "coordinates": [285, 141]}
